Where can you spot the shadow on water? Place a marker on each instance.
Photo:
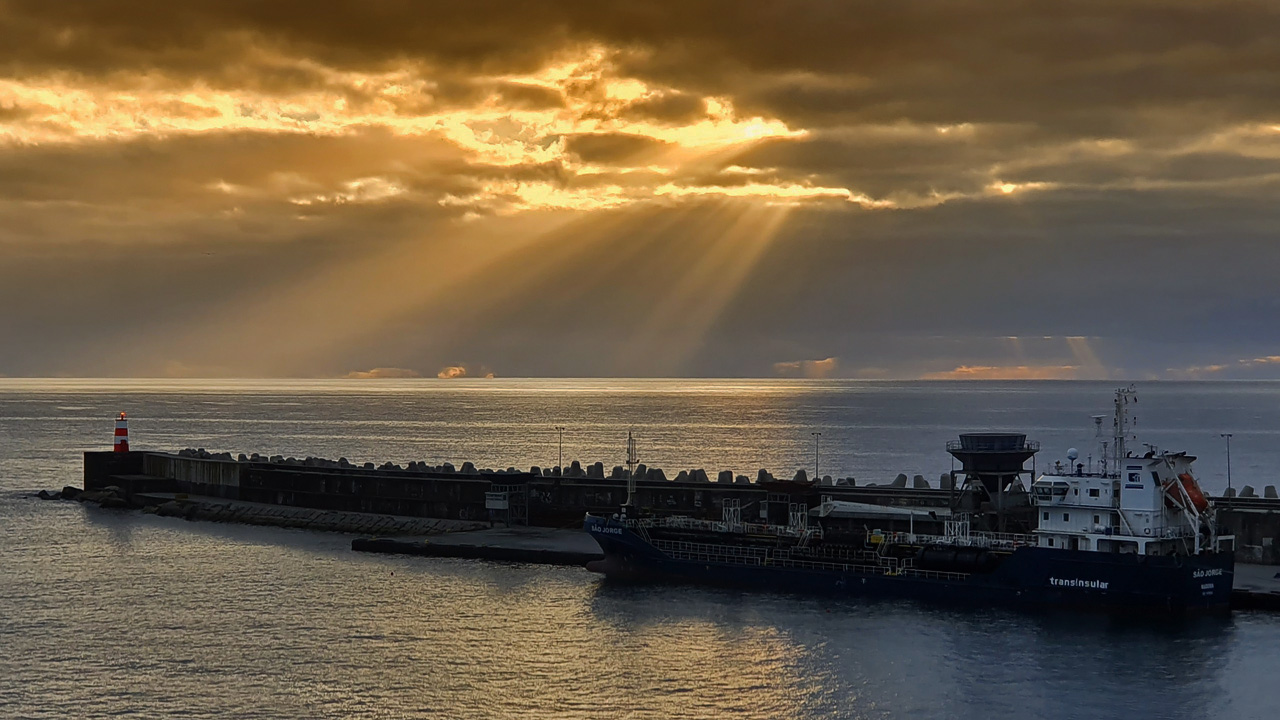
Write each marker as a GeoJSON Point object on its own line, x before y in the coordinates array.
{"type": "Point", "coordinates": [1046, 664]}
{"type": "Point", "coordinates": [645, 602]}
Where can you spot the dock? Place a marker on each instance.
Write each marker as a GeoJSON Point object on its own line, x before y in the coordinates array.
{"type": "Point", "coordinates": [1256, 587]}
{"type": "Point", "coordinates": [545, 546]}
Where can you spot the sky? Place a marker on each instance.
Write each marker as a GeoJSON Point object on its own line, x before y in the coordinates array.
{"type": "Point", "coordinates": [395, 188]}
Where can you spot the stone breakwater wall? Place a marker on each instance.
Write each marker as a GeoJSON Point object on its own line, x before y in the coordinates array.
{"type": "Point", "coordinates": [464, 493]}
{"type": "Point", "coordinates": [220, 472]}
{"type": "Point", "coordinates": [1256, 524]}
{"type": "Point", "coordinates": [308, 519]}
{"type": "Point", "coordinates": [235, 511]}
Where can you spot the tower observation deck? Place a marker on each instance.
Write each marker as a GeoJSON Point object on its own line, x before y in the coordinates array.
{"type": "Point", "coordinates": [992, 459]}
{"type": "Point", "coordinates": [991, 464]}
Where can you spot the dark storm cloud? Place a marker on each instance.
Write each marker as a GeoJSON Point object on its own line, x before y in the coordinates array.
{"type": "Point", "coordinates": [1133, 140]}
{"type": "Point", "coordinates": [610, 147]}
{"type": "Point", "coordinates": [528, 97]}
{"type": "Point", "coordinates": [994, 60]}
{"type": "Point", "coordinates": [672, 107]}
{"type": "Point", "coordinates": [220, 186]}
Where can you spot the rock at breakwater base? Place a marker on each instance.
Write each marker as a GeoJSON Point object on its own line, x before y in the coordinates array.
{"type": "Point", "coordinates": [544, 546]}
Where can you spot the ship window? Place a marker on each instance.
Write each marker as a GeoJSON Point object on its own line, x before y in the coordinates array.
{"type": "Point", "coordinates": [1046, 516]}
{"type": "Point", "coordinates": [1097, 519]}
{"type": "Point", "coordinates": [1093, 492]}
{"type": "Point", "coordinates": [1077, 491]}
{"type": "Point", "coordinates": [1066, 517]}
{"type": "Point", "coordinates": [1050, 542]}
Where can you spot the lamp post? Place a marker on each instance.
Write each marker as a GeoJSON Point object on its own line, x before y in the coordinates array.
{"type": "Point", "coordinates": [1228, 438]}
{"type": "Point", "coordinates": [816, 435]}
{"type": "Point", "coordinates": [560, 455]}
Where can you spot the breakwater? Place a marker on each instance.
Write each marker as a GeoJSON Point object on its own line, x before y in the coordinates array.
{"type": "Point", "coordinates": [467, 493]}
{"type": "Point", "coordinates": [544, 498]}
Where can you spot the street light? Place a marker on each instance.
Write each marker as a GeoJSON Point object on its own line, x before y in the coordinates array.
{"type": "Point", "coordinates": [1228, 437]}
{"type": "Point", "coordinates": [560, 456]}
{"type": "Point", "coordinates": [816, 435]}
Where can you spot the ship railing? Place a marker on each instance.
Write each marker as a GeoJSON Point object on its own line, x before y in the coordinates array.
{"type": "Point", "coordinates": [980, 447]}
{"type": "Point", "coordinates": [701, 552]}
{"type": "Point", "coordinates": [681, 522]}
{"type": "Point", "coordinates": [707, 548]}
{"type": "Point", "coordinates": [698, 552]}
{"type": "Point", "coordinates": [874, 569]}
{"type": "Point", "coordinates": [976, 539]}
{"type": "Point", "coordinates": [841, 554]}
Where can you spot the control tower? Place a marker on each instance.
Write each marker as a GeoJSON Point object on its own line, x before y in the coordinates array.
{"type": "Point", "coordinates": [992, 462]}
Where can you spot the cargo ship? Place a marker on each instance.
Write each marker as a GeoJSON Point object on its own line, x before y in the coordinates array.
{"type": "Point", "coordinates": [1135, 534]}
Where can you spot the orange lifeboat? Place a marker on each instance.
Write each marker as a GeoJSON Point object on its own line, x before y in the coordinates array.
{"type": "Point", "coordinates": [1192, 489]}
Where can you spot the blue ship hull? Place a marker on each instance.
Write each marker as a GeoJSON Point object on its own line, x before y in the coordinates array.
{"type": "Point", "coordinates": [1026, 576]}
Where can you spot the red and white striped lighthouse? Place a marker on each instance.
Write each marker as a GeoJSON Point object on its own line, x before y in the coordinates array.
{"type": "Point", "coordinates": [122, 433]}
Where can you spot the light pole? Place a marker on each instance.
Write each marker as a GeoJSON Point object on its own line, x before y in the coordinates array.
{"type": "Point", "coordinates": [816, 435]}
{"type": "Point", "coordinates": [560, 455]}
{"type": "Point", "coordinates": [1228, 437]}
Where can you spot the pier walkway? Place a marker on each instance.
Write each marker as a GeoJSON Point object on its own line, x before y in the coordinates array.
{"type": "Point", "coordinates": [546, 546]}
{"type": "Point", "coordinates": [199, 507]}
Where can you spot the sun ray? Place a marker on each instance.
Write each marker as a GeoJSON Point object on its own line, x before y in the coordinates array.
{"type": "Point", "coordinates": [716, 265]}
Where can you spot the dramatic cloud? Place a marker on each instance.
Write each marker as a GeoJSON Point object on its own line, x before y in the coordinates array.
{"type": "Point", "coordinates": [453, 372]}
{"type": "Point", "coordinates": [382, 374]}
{"type": "Point", "coordinates": [813, 369]}
{"type": "Point", "coordinates": [919, 188]}
{"type": "Point", "coordinates": [1020, 372]}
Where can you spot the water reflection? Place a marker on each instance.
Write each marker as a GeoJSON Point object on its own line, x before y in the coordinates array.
{"type": "Point", "coordinates": [132, 614]}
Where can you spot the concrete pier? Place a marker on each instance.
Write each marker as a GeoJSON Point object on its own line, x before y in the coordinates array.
{"type": "Point", "coordinates": [251, 513]}
{"type": "Point", "coordinates": [545, 546]}
{"type": "Point", "coordinates": [1256, 587]}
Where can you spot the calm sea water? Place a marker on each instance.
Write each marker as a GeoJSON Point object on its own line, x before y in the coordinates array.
{"type": "Point", "coordinates": [106, 613]}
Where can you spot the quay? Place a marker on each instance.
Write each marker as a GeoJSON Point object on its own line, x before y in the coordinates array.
{"type": "Point", "coordinates": [195, 507]}
{"type": "Point", "coordinates": [1256, 587]}
{"type": "Point", "coordinates": [546, 546]}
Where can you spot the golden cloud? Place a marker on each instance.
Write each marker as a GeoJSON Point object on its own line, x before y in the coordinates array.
{"type": "Point", "coordinates": [811, 369]}
{"type": "Point", "coordinates": [1007, 372]}
{"type": "Point", "coordinates": [381, 374]}
{"type": "Point", "coordinates": [600, 120]}
{"type": "Point", "coordinates": [453, 372]}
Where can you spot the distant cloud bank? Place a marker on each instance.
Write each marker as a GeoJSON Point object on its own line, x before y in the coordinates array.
{"type": "Point", "coordinates": [452, 372]}
{"type": "Point", "coordinates": [381, 374]}
{"type": "Point", "coordinates": [1013, 372]}
{"type": "Point", "coordinates": [812, 369]}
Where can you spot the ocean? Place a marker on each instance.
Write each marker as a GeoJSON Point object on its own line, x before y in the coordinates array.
{"type": "Point", "coordinates": [118, 614]}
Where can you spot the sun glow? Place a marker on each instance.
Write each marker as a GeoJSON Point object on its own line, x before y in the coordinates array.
{"type": "Point", "coordinates": [506, 123]}
{"type": "Point", "coordinates": [1011, 188]}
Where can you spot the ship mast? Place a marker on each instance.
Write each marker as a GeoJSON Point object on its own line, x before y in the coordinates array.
{"type": "Point", "coordinates": [1121, 425]}
{"type": "Point", "coordinates": [632, 459]}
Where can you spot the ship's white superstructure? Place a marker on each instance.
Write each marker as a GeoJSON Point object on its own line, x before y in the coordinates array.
{"type": "Point", "coordinates": [1148, 504]}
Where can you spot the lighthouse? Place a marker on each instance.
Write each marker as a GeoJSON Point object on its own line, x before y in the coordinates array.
{"type": "Point", "coordinates": [122, 433]}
